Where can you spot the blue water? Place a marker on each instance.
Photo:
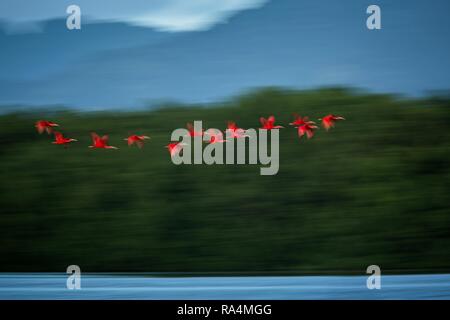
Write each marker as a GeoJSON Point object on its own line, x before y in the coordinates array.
{"type": "Point", "coordinates": [53, 286]}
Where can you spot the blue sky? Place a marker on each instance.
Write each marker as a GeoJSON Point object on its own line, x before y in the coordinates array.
{"type": "Point", "coordinates": [301, 44]}
{"type": "Point", "coordinates": [168, 15]}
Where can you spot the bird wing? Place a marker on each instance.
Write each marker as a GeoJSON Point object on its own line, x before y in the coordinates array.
{"type": "Point", "coordinates": [327, 123]}
{"type": "Point", "coordinates": [309, 132]}
{"type": "Point", "coordinates": [40, 128]}
{"type": "Point", "coordinates": [97, 141]}
{"type": "Point", "coordinates": [232, 125]}
{"type": "Point", "coordinates": [301, 130]}
{"type": "Point", "coordinates": [58, 136]}
{"type": "Point", "coordinates": [94, 136]}
{"type": "Point", "coordinates": [130, 140]}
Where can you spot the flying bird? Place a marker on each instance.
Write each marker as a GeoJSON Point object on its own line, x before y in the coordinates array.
{"type": "Point", "coordinates": [299, 121]}
{"type": "Point", "coordinates": [235, 131]}
{"type": "Point", "coordinates": [268, 123]}
{"type": "Point", "coordinates": [329, 121]}
{"type": "Point", "coordinates": [59, 139]}
{"type": "Point", "coordinates": [304, 126]}
{"type": "Point", "coordinates": [138, 140]}
{"type": "Point", "coordinates": [175, 147]}
{"type": "Point", "coordinates": [307, 129]}
{"type": "Point", "coordinates": [100, 143]}
{"type": "Point", "coordinates": [44, 125]}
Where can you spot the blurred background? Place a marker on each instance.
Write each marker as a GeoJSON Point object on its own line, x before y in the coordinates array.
{"type": "Point", "coordinates": [374, 190]}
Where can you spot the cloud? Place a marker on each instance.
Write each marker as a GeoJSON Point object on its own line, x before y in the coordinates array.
{"type": "Point", "coordinates": [167, 15]}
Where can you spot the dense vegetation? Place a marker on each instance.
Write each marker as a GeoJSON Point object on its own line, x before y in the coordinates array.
{"type": "Point", "coordinates": [375, 190]}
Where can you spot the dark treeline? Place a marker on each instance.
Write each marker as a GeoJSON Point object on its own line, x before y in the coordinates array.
{"type": "Point", "coordinates": [374, 190]}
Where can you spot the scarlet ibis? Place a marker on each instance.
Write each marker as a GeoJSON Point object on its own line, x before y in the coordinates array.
{"type": "Point", "coordinates": [59, 139]}
{"type": "Point", "coordinates": [299, 121]}
{"type": "Point", "coordinates": [175, 147]}
{"type": "Point", "coordinates": [45, 125]}
{"type": "Point", "coordinates": [304, 126]}
{"type": "Point", "coordinates": [268, 123]}
{"type": "Point", "coordinates": [192, 132]}
{"type": "Point", "coordinates": [101, 143]}
{"type": "Point", "coordinates": [307, 129]}
{"type": "Point", "coordinates": [139, 140]}
{"type": "Point", "coordinates": [232, 125]}
{"type": "Point", "coordinates": [235, 131]}
{"type": "Point", "coordinates": [329, 120]}
{"type": "Point", "coordinates": [215, 137]}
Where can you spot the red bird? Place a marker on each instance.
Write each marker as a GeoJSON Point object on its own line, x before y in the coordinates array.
{"type": "Point", "coordinates": [304, 126]}
{"type": "Point", "coordinates": [192, 132]}
{"type": "Point", "coordinates": [235, 131]}
{"type": "Point", "coordinates": [175, 147]}
{"type": "Point", "coordinates": [101, 143]}
{"type": "Point", "coordinates": [299, 121]}
{"type": "Point", "coordinates": [139, 140]}
{"type": "Point", "coordinates": [307, 129]}
{"type": "Point", "coordinates": [59, 139]}
{"type": "Point", "coordinates": [44, 125]}
{"type": "Point", "coordinates": [329, 120]}
{"type": "Point", "coordinates": [268, 123]}
{"type": "Point", "coordinates": [232, 126]}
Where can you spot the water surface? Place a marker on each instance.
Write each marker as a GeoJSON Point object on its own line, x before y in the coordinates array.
{"type": "Point", "coordinates": [96, 286]}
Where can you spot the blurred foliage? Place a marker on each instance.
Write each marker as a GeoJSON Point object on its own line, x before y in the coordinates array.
{"type": "Point", "coordinates": [374, 190]}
